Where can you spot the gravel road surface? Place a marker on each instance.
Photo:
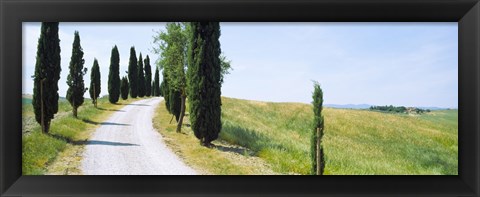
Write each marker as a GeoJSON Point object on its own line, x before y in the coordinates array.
{"type": "Point", "coordinates": [127, 144]}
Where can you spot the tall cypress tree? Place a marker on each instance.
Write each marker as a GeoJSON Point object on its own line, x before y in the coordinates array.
{"type": "Point", "coordinates": [124, 87]}
{"type": "Point", "coordinates": [47, 74]}
{"type": "Point", "coordinates": [166, 92]}
{"type": "Point", "coordinates": [114, 76]}
{"type": "Point", "coordinates": [141, 77]}
{"type": "Point", "coordinates": [95, 81]}
{"type": "Point", "coordinates": [148, 77]}
{"type": "Point", "coordinates": [76, 85]}
{"type": "Point", "coordinates": [133, 73]}
{"type": "Point", "coordinates": [204, 81]}
{"type": "Point", "coordinates": [156, 85]}
{"type": "Point", "coordinates": [317, 135]}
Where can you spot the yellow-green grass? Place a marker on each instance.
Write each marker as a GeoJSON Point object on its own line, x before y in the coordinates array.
{"type": "Point", "coordinates": [356, 142]}
{"type": "Point", "coordinates": [40, 150]}
{"type": "Point", "coordinates": [224, 159]}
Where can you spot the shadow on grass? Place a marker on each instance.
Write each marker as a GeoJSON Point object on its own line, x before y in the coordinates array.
{"type": "Point", "coordinates": [239, 150]}
{"type": "Point", "coordinates": [253, 140]}
{"type": "Point", "coordinates": [89, 142]}
{"type": "Point", "coordinates": [103, 123]}
{"type": "Point", "coordinates": [117, 110]}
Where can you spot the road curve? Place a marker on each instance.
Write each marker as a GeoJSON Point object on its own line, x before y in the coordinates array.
{"type": "Point", "coordinates": [127, 144]}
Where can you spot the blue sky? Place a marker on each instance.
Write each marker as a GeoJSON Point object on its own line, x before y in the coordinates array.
{"type": "Point", "coordinates": [409, 64]}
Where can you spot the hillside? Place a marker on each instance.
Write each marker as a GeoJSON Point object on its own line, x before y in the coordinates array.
{"type": "Point", "coordinates": [356, 141]}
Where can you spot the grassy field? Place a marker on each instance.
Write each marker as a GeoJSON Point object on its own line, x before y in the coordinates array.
{"type": "Point", "coordinates": [67, 134]}
{"type": "Point", "coordinates": [356, 142]}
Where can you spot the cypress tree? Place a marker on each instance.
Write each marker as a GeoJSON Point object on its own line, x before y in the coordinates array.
{"type": "Point", "coordinates": [166, 92]}
{"type": "Point", "coordinates": [317, 124]}
{"type": "Point", "coordinates": [47, 74]}
{"type": "Point", "coordinates": [76, 85]}
{"type": "Point", "coordinates": [133, 73]}
{"type": "Point", "coordinates": [148, 77]}
{"type": "Point", "coordinates": [95, 81]}
{"type": "Point", "coordinates": [114, 76]}
{"type": "Point", "coordinates": [204, 81]}
{"type": "Point", "coordinates": [156, 86]}
{"type": "Point", "coordinates": [152, 90]}
{"type": "Point", "coordinates": [175, 103]}
{"type": "Point", "coordinates": [124, 87]}
{"type": "Point", "coordinates": [141, 78]}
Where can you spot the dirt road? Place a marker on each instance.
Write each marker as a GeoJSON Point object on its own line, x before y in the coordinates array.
{"type": "Point", "coordinates": [127, 144]}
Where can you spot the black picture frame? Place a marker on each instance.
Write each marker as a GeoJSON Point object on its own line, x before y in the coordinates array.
{"type": "Point", "coordinates": [14, 12]}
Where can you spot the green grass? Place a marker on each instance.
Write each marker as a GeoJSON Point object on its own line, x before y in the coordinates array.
{"type": "Point", "coordinates": [356, 142]}
{"type": "Point", "coordinates": [39, 150]}
{"type": "Point", "coordinates": [229, 160]}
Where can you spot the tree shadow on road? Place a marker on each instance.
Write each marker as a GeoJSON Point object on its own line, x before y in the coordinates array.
{"type": "Point", "coordinates": [117, 110]}
{"type": "Point", "coordinates": [136, 104]}
{"type": "Point", "coordinates": [89, 142]}
{"type": "Point", "coordinates": [103, 123]}
{"type": "Point", "coordinates": [108, 143]}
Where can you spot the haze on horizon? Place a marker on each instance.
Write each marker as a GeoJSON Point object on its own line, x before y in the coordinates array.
{"type": "Point", "coordinates": [402, 64]}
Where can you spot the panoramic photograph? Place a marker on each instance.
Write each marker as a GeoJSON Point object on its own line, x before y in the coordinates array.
{"type": "Point", "coordinates": [231, 98]}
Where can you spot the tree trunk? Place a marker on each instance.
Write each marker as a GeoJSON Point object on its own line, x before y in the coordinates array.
{"type": "Point", "coordinates": [74, 109]}
{"type": "Point", "coordinates": [182, 113]}
{"type": "Point", "coordinates": [41, 106]}
{"type": "Point", "coordinates": [319, 153]}
{"type": "Point", "coordinates": [46, 126]}
{"type": "Point", "coordinates": [94, 96]}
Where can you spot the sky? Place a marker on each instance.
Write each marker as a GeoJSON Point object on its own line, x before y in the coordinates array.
{"type": "Point", "coordinates": [401, 64]}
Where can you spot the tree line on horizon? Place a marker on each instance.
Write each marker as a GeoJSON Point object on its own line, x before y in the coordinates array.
{"type": "Point", "coordinates": [399, 109]}
{"type": "Point", "coordinates": [48, 68]}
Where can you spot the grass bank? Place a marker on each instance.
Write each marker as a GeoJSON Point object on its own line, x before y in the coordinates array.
{"type": "Point", "coordinates": [223, 159]}
{"type": "Point", "coordinates": [59, 152]}
{"type": "Point", "coordinates": [356, 142]}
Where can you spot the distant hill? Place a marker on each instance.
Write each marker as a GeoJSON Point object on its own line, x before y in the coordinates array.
{"type": "Point", "coordinates": [349, 106]}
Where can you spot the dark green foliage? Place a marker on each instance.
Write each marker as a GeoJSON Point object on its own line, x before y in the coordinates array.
{"type": "Point", "coordinates": [148, 77]}
{"type": "Point", "coordinates": [76, 85]}
{"type": "Point", "coordinates": [152, 90]}
{"type": "Point", "coordinates": [317, 123]}
{"type": "Point", "coordinates": [162, 86]}
{"type": "Point", "coordinates": [95, 81]}
{"type": "Point", "coordinates": [175, 103]}
{"type": "Point", "coordinates": [166, 92]}
{"type": "Point", "coordinates": [156, 84]}
{"type": "Point", "coordinates": [47, 74]}
{"type": "Point", "coordinates": [141, 77]}
{"type": "Point", "coordinates": [204, 81]}
{"type": "Point", "coordinates": [124, 87]}
{"type": "Point", "coordinates": [133, 73]}
{"type": "Point", "coordinates": [114, 76]}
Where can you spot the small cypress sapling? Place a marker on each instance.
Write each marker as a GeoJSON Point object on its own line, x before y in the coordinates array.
{"type": "Point", "coordinates": [317, 134]}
